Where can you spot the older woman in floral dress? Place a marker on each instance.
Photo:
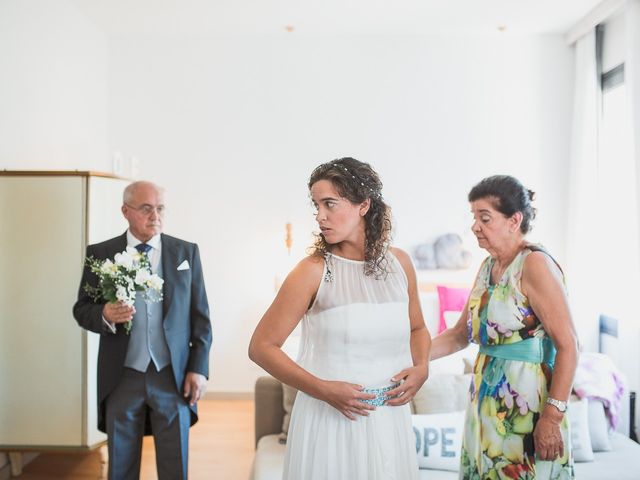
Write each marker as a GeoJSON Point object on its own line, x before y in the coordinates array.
{"type": "Point", "coordinates": [516, 427]}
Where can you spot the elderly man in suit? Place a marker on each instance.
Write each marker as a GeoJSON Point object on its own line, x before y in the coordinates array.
{"type": "Point", "coordinates": [150, 380]}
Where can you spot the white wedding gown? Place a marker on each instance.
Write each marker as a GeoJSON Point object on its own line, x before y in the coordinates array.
{"type": "Point", "coordinates": [357, 331]}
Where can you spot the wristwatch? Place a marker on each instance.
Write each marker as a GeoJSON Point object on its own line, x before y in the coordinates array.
{"type": "Point", "coordinates": [559, 404]}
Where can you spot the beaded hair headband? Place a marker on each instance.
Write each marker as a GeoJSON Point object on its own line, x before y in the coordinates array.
{"type": "Point", "coordinates": [374, 193]}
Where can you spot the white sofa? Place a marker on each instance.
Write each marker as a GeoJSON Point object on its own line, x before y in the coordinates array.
{"type": "Point", "coordinates": [620, 464]}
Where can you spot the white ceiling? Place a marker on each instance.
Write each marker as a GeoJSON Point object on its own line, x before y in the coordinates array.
{"type": "Point", "coordinates": [346, 17]}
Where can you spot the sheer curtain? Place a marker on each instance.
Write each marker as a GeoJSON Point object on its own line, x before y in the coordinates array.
{"type": "Point", "coordinates": [603, 242]}
{"type": "Point", "coordinates": [632, 81]}
{"type": "Point", "coordinates": [584, 241]}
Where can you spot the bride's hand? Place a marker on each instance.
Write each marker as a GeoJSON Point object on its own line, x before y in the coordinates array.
{"type": "Point", "coordinates": [413, 377]}
{"type": "Point", "coordinates": [347, 398]}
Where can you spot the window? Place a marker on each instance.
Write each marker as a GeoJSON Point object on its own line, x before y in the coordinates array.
{"type": "Point", "coordinates": [615, 222]}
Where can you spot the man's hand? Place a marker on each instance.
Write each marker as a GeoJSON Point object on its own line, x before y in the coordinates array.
{"type": "Point", "coordinates": [117, 312]}
{"type": "Point", "coordinates": [195, 385]}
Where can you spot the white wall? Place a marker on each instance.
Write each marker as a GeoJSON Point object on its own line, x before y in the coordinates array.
{"type": "Point", "coordinates": [53, 87]}
{"type": "Point", "coordinates": [232, 127]}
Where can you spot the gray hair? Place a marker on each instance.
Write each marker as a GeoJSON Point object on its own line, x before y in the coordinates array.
{"type": "Point", "coordinates": [130, 190]}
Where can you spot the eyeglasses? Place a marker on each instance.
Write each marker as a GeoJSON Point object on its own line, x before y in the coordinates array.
{"type": "Point", "coordinates": [146, 209]}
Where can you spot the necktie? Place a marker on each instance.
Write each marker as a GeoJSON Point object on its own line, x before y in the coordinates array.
{"type": "Point", "coordinates": [143, 247]}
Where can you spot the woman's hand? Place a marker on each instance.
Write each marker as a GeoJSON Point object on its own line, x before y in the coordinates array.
{"type": "Point", "coordinates": [547, 437]}
{"type": "Point", "coordinates": [414, 378]}
{"type": "Point", "coordinates": [347, 398]}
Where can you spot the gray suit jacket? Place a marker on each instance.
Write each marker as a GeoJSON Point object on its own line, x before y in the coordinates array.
{"type": "Point", "coordinates": [186, 322]}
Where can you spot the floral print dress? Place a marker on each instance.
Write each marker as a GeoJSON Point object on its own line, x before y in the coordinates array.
{"type": "Point", "coordinates": [507, 396]}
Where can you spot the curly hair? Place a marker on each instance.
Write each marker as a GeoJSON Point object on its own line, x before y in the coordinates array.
{"type": "Point", "coordinates": [356, 181]}
{"type": "Point", "coordinates": [508, 197]}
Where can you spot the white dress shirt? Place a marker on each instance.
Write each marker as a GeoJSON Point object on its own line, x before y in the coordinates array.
{"type": "Point", "coordinates": [153, 254]}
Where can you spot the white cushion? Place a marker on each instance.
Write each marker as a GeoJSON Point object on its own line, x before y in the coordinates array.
{"type": "Point", "coordinates": [449, 365]}
{"type": "Point", "coordinates": [598, 427]}
{"type": "Point", "coordinates": [451, 318]}
{"type": "Point", "coordinates": [438, 440]}
{"type": "Point", "coordinates": [578, 412]}
{"type": "Point", "coordinates": [437, 475]}
{"type": "Point", "coordinates": [269, 460]}
{"type": "Point", "coordinates": [430, 311]}
{"type": "Point", "coordinates": [442, 394]}
{"type": "Point", "coordinates": [456, 362]}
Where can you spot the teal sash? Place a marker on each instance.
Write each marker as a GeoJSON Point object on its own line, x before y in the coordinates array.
{"type": "Point", "coordinates": [533, 350]}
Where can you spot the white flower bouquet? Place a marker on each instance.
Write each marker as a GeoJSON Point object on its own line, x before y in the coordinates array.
{"type": "Point", "coordinates": [120, 279]}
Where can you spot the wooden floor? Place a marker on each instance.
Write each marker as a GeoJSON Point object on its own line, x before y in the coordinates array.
{"type": "Point", "coordinates": [221, 447]}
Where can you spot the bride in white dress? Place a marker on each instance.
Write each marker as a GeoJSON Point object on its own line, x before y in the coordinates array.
{"type": "Point", "coordinates": [365, 348]}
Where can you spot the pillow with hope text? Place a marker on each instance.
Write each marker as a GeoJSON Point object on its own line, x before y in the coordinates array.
{"type": "Point", "coordinates": [438, 440]}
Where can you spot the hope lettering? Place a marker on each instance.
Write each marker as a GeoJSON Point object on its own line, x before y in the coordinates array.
{"type": "Point", "coordinates": [432, 436]}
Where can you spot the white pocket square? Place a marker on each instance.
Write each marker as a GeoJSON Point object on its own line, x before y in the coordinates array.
{"type": "Point", "coordinates": [183, 266]}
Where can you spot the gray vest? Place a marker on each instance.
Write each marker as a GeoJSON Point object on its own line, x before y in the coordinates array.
{"type": "Point", "coordinates": [147, 342]}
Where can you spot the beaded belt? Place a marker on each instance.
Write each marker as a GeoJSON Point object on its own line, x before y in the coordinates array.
{"type": "Point", "coordinates": [380, 395]}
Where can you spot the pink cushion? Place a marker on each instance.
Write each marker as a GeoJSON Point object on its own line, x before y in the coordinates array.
{"type": "Point", "coordinates": [451, 299]}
